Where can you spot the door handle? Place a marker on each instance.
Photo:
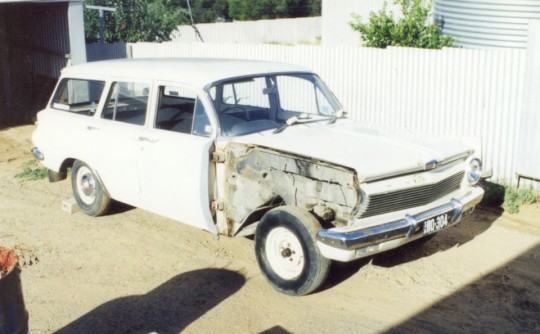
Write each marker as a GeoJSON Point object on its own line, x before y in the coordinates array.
{"type": "Point", "coordinates": [91, 128]}
{"type": "Point", "coordinates": [146, 139]}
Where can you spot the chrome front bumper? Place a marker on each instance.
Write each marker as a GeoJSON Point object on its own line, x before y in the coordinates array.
{"type": "Point", "coordinates": [349, 245]}
{"type": "Point", "coordinates": [36, 152]}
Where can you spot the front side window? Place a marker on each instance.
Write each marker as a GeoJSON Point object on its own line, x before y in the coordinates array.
{"type": "Point", "coordinates": [78, 96]}
{"type": "Point", "coordinates": [181, 110]}
{"type": "Point", "coordinates": [127, 102]}
{"type": "Point", "coordinates": [246, 93]}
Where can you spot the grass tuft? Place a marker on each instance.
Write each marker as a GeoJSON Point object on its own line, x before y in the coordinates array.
{"type": "Point", "coordinates": [31, 172]}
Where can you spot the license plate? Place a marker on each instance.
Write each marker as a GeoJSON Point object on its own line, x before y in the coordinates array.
{"type": "Point", "coordinates": [436, 223]}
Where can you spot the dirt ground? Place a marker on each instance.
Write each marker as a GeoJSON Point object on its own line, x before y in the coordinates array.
{"type": "Point", "coordinates": [132, 271]}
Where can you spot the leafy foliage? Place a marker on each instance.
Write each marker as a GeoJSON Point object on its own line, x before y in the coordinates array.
{"type": "Point", "coordinates": [271, 9]}
{"type": "Point", "coordinates": [154, 20]}
{"type": "Point", "coordinates": [413, 30]}
{"type": "Point", "coordinates": [209, 10]}
{"type": "Point", "coordinates": [134, 20]}
{"type": "Point", "coordinates": [242, 10]}
{"type": "Point", "coordinates": [30, 172]}
{"type": "Point", "coordinates": [516, 197]}
{"type": "Point", "coordinates": [509, 197]}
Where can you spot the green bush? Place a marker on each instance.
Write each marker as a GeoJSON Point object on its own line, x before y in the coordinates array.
{"type": "Point", "coordinates": [413, 30]}
{"type": "Point", "coordinates": [516, 197]}
{"type": "Point", "coordinates": [509, 197]}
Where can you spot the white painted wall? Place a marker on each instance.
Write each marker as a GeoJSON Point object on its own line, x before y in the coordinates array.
{"type": "Point", "coordinates": [336, 15]}
{"type": "Point", "coordinates": [286, 31]}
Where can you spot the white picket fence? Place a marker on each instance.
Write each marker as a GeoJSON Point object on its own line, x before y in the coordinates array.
{"type": "Point", "coordinates": [476, 95]}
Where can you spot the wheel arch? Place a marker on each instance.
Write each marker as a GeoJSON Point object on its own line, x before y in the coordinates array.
{"type": "Point", "coordinates": [247, 226]}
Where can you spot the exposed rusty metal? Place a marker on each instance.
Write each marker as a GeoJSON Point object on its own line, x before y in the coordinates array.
{"type": "Point", "coordinates": [217, 206]}
{"type": "Point", "coordinates": [255, 177]}
{"type": "Point", "coordinates": [323, 212]}
{"type": "Point", "coordinates": [218, 156]}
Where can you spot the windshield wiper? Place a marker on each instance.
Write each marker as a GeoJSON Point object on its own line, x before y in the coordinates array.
{"type": "Point", "coordinates": [338, 114]}
{"type": "Point", "coordinates": [291, 121]}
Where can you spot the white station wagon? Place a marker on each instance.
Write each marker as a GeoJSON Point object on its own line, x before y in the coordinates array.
{"type": "Point", "coordinates": [241, 148]}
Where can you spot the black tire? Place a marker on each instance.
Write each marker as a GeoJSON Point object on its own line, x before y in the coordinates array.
{"type": "Point", "coordinates": [56, 176]}
{"type": "Point", "coordinates": [281, 235]}
{"type": "Point", "coordinates": [88, 190]}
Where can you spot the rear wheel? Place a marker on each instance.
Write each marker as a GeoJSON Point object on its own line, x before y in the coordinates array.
{"type": "Point", "coordinates": [88, 190]}
{"type": "Point", "coordinates": [287, 253]}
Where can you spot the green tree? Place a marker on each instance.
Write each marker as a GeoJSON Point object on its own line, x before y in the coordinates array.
{"type": "Point", "coordinates": [413, 30]}
{"type": "Point", "coordinates": [210, 11]}
{"type": "Point", "coordinates": [271, 9]}
{"type": "Point", "coordinates": [204, 11]}
{"type": "Point", "coordinates": [134, 20]}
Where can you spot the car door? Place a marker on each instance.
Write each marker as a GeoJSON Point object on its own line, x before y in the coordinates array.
{"type": "Point", "coordinates": [175, 170]}
{"type": "Point", "coordinates": [118, 139]}
{"type": "Point", "coordinates": [63, 129]}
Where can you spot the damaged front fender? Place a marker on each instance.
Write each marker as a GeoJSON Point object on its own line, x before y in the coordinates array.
{"type": "Point", "coordinates": [258, 179]}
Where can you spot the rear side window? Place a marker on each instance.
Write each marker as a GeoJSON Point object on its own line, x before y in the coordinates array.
{"type": "Point", "coordinates": [78, 96]}
{"type": "Point", "coordinates": [127, 102]}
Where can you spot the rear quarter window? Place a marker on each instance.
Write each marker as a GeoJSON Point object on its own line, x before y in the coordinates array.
{"type": "Point", "coordinates": [78, 96]}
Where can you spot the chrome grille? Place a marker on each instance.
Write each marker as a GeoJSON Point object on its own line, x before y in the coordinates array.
{"type": "Point", "coordinates": [407, 198]}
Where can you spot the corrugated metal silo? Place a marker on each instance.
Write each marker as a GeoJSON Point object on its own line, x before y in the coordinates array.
{"type": "Point", "coordinates": [486, 24]}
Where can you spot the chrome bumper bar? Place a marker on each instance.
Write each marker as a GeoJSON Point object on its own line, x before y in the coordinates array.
{"type": "Point", "coordinates": [37, 153]}
{"type": "Point", "coordinates": [408, 227]}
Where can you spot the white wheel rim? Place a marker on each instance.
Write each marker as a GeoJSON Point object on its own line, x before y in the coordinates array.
{"type": "Point", "coordinates": [86, 185]}
{"type": "Point", "coordinates": [284, 253]}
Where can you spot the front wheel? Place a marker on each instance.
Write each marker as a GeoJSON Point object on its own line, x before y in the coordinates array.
{"type": "Point", "coordinates": [287, 253]}
{"type": "Point", "coordinates": [88, 190]}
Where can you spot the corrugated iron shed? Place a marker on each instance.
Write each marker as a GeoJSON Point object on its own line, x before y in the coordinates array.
{"type": "Point", "coordinates": [36, 40]}
{"type": "Point", "coordinates": [487, 24]}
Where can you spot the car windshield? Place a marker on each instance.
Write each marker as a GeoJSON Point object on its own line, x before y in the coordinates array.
{"type": "Point", "coordinates": [260, 103]}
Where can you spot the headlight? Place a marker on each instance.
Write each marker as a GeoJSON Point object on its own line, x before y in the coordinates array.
{"type": "Point", "coordinates": [474, 171]}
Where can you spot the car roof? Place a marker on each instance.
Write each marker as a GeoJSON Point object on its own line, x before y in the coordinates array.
{"type": "Point", "coordinates": [195, 71]}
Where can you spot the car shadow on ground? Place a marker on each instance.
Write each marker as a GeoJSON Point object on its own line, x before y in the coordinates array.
{"type": "Point", "coordinates": [457, 235]}
{"type": "Point", "coordinates": [465, 231]}
{"type": "Point", "coordinates": [169, 308]}
{"type": "Point", "coordinates": [506, 300]}
{"type": "Point", "coordinates": [118, 208]}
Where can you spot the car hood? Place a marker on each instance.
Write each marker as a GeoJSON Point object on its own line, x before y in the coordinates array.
{"type": "Point", "coordinates": [373, 153]}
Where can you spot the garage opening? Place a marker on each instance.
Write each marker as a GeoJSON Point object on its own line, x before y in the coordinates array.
{"type": "Point", "coordinates": [34, 47]}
